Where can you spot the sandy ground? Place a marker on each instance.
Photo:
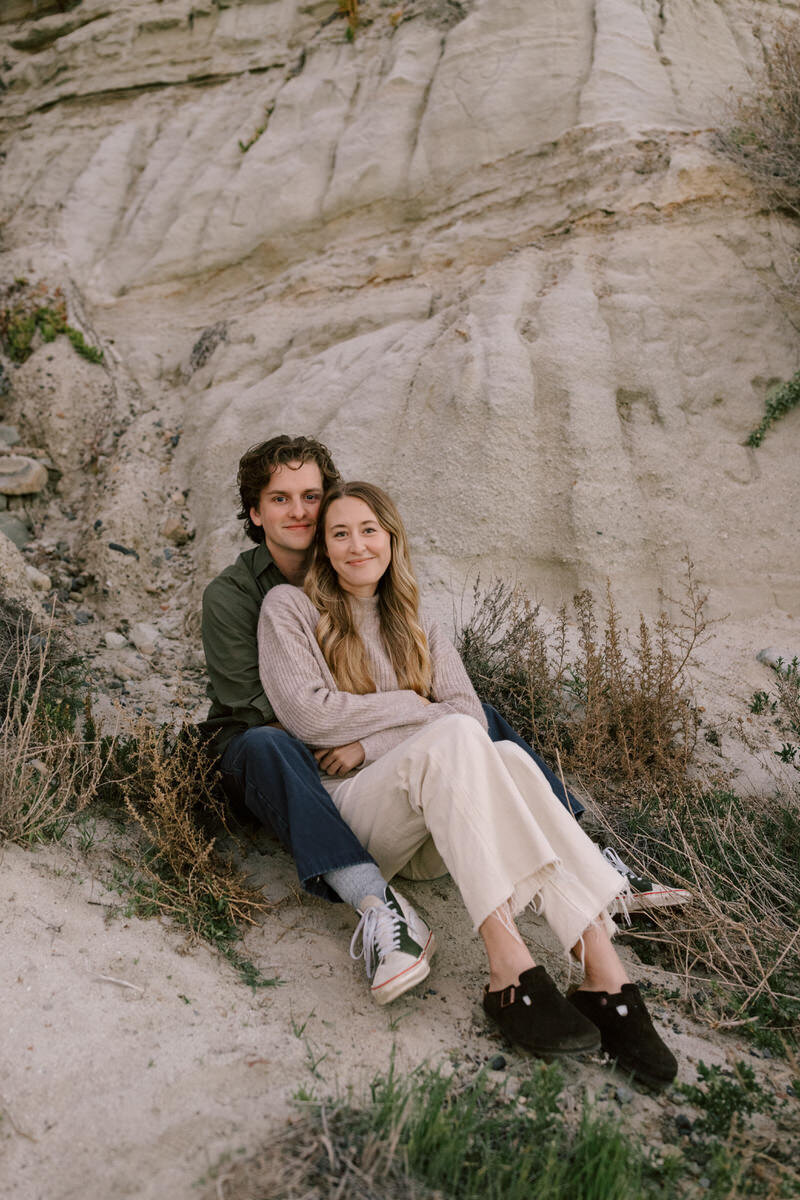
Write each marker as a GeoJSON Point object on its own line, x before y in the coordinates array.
{"type": "Point", "coordinates": [133, 1064]}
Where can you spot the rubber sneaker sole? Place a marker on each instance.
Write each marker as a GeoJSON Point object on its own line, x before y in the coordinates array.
{"type": "Point", "coordinates": [406, 979]}
{"type": "Point", "coordinates": [642, 902]}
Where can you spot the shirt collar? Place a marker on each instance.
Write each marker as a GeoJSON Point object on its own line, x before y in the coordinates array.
{"type": "Point", "coordinates": [263, 560]}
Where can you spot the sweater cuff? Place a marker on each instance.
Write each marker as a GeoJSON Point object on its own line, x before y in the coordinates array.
{"type": "Point", "coordinates": [377, 744]}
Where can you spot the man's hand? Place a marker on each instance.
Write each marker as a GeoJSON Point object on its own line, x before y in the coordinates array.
{"type": "Point", "coordinates": [340, 759]}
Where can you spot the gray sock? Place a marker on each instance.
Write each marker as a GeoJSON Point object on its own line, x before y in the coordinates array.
{"type": "Point", "coordinates": [354, 883]}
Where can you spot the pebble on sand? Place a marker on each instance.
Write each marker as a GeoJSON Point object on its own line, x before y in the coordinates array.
{"type": "Point", "coordinates": [770, 656]}
{"type": "Point", "coordinates": [17, 531]}
{"type": "Point", "coordinates": [144, 637]}
{"type": "Point", "coordinates": [37, 579]}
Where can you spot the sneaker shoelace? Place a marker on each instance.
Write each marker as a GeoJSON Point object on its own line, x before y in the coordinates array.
{"type": "Point", "coordinates": [611, 857]}
{"type": "Point", "coordinates": [379, 930]}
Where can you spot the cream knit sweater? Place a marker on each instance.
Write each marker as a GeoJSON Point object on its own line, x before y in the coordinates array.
{"type": "Point", "coordinates": [307, 701]}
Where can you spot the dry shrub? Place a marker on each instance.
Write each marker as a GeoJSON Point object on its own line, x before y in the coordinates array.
{"type": "Point", "coordinates": [316, 1159]}
{"type": "Point", "coordinates": [168, 786]}
{"type": "Point", "coordinates": [53, 766]}
{"type": "Point", "coordinates": [740, 858]}
{"type": "Point", "coordinates": [48, 771]}
{"type": "Point", "coordinates": [620, 718]}
{"type": "Point", "coordinates": [764, 136]}
{"type": "Point", "coordinates": [614, 712]}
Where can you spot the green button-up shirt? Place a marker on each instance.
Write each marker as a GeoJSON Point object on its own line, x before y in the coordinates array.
{"type": "Point", "coordinates": [231, 604]}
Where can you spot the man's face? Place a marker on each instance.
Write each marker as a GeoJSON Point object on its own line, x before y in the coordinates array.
{"type": "Point", "coordinates": [288, 506]}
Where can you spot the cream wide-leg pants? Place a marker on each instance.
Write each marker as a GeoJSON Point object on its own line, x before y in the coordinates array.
{"type": "Point", "coordinates": [448, 799]}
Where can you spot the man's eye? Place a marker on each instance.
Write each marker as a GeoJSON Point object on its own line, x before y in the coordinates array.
{"type": "Point", "coordinates": [313, 498]}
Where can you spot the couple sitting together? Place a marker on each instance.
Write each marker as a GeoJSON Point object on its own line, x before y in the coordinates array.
{"type": "Point", "coordinates": [344, 720]}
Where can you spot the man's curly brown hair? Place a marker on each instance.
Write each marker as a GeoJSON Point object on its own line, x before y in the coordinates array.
{"type": "Point", "coordinates": [257, 464]}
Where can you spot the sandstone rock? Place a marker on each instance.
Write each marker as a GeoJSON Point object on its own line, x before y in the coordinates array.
{"type": "Point", "coordinates": [496, 263]}
{"type": "Point", "coordinates": [114, 640]}
{"type": "Point", "coordinates": [130, 665]}
{"type": "Point", "coordinates": [144, 637]}
{"type": "Point", "coordinates": [37, 579]}
{"type": "Point", "coordinates": [16, 530]}
{"type": "Point", "coordinates": [21, 476]}
{"type": "Point", "coordinates": [9, 435]}
{"type": "Point", "coordinates": [175, 531]}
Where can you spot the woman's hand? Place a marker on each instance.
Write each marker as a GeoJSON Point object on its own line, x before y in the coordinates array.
{"type": "Point", "coordinates": [340, 759]}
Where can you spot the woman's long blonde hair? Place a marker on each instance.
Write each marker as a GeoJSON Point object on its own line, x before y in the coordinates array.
{"type": "Point", "coordinates": [398, 604]}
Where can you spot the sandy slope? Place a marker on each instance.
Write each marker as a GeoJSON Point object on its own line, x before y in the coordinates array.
{"type": "Point", "coordinates": [137, 1087]}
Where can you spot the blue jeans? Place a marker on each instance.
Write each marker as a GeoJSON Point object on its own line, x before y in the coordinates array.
{"type": "Point", "coordinates": [276, 778]}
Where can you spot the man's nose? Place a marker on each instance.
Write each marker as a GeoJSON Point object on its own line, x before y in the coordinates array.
{"type": "Point", "coordinates": [296, 507]}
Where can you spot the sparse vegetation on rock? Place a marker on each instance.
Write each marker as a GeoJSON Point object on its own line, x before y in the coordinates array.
{"type": "Point", "coordinates": [764, 132]}
{"type": "Point", "coordinates": [27, 310]}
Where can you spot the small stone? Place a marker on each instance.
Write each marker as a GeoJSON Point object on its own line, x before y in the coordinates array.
{"type": "Point", "coordinates": [704, 1182]}
{"type": "Point", "coordinates": [144, 637]}
{"type": "Point", "coordinates": [37, 579]}
{"type": "Point", "coordinates": [123, 549]}
{"type": "Point", "coordinates": [175, 531]}
{"type": "Point", "coordinates": [114, 640]}
{"type": "Point", "coordinates": [17, 531]}
{"type": "Point", "coordinates": [497, 1063]}
{"type": "Point", "coordinates": [683, 1123]}
{"type": "Point", "coordinates": [21, 476]}
{"type": "Point", "coordinates": [624, 1095]}
{"type": "Point", "coordinates": [9, 435]}
{"type": "Point", "coordinates": [83, 618]}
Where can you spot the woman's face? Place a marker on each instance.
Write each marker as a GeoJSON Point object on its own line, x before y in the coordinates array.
{"type": "Point", "coordinates": [358, 547]}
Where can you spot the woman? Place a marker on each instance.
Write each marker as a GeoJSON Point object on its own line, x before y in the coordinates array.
{"type": "Point", "coordinates": [381, 696]}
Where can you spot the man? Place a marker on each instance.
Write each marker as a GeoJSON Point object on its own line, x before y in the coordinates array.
{"type": "Point", "coordinates": [281, 482]}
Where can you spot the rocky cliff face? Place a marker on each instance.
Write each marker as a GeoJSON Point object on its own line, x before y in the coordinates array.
{"type": "Point", "coordinates": [485, 250]}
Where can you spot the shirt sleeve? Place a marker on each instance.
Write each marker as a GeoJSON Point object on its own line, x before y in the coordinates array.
{"type": "Point", "coordinates": [230, 618]}
{"type": "Point", "coordinates": [303, 693]}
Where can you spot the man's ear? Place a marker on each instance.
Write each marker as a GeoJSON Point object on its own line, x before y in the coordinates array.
{"type": "Point", "coordinates": [255, 516]}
